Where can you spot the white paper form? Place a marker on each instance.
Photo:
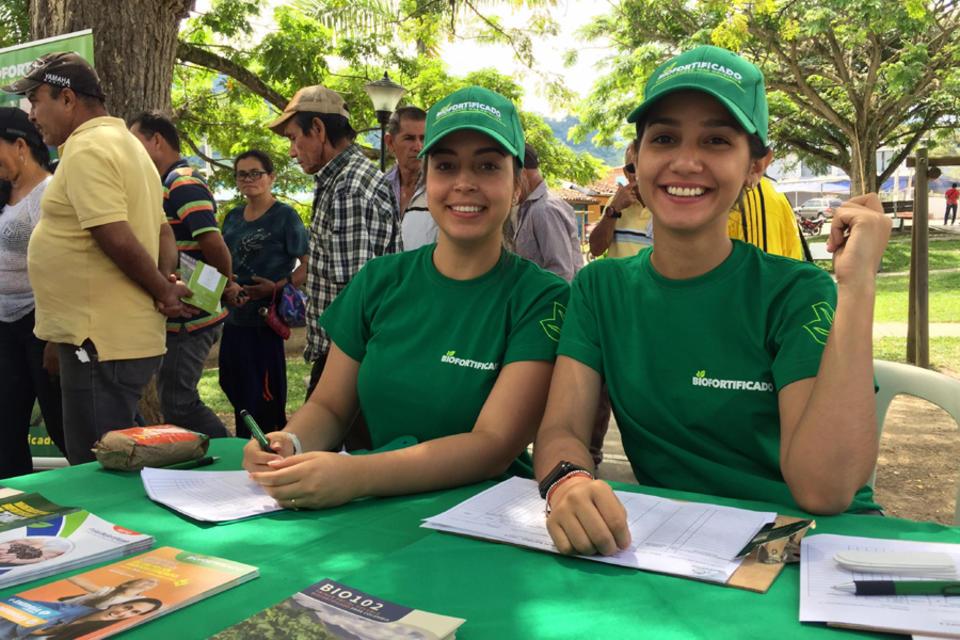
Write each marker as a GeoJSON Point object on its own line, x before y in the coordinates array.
{"type": "Point", "coordinates": [820, 602]}
{"type": "Point", "coordinates": [680, 538]}
{"type": "Point", "coordinates": [209, 496]}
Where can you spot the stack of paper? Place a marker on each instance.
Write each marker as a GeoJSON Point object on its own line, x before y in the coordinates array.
{"type": "Point", "coordinates": [681, 538]}
{"type": "Point", "coordinates": [61, 543]}
{"type": "Point", "coordinates": [208, 496]}
{"type": "Point", "coordinates": [820, 602]}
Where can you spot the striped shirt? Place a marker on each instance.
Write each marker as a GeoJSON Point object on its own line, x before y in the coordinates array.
{"type": "Point", "coordinates": [191, 212]}
{"type": "Point", "coordinates": [355, 219]}
{"type": "Point", "coordinates": [766, 221]}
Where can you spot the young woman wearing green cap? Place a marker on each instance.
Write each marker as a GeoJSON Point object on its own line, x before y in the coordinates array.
{"type": "Point", "coordinates": [452, 344]}
{"type": "Point", "coordinates": [725, 375]}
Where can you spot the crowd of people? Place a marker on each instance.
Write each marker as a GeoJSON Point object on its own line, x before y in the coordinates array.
{"type": "Point", "coordinates": [447, 303]}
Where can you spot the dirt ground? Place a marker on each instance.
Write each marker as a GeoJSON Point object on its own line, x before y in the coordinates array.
{"type": "Point", "coordinates": [919, 463]}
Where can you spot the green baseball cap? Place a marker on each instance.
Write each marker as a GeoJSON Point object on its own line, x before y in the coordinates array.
{"type": "Point", "coordinates": [736, 83]}
{"type": "Point", "coordinates": [478, 109]}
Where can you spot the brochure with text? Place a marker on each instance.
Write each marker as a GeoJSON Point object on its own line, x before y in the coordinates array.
{"type": "Point", "coordinates": [23, 508]}
{"type": "Point", "coordinates": [329, 610]}
{"type": "Point", "coordinates": [61, 543]}
{"type": "Point", "coordinates": [108, 600]}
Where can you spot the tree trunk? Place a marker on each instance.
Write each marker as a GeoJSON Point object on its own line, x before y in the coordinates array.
{"type": "Point", "coordinates": [135, 45]}
{"type": "Point", "coordinates": [863, 166]}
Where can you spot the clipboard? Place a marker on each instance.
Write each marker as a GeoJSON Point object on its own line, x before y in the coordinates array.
{"type": "Point", "coordinates": [764, 563]}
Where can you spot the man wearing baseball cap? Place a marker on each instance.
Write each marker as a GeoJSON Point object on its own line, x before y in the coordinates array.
{"type": "Point", "coordinates": [355, 215]}
{"type": "Point", "coordinates": [93, 257]}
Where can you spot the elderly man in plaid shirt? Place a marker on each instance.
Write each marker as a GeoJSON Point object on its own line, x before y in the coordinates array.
{"type": "Point", "coordinates": [355, 214]}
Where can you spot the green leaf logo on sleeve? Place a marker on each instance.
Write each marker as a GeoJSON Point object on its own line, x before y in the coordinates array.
{"type": "Point", "coordinates": [553, 325]}
{"type": "Point", "coordinates": [819, 327]}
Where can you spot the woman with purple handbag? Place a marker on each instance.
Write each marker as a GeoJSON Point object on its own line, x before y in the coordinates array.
{"type": "Point", "coordinates": [266, 238]}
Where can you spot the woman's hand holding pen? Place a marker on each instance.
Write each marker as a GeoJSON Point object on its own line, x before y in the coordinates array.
{"type": "Point", "coordinates": [313, 480]}
{"type": "Point", "coordinates": [256, 459]}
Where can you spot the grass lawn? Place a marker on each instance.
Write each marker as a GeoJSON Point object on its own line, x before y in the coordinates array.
{"type": "Point", "coordinates": [944, 252]}
{"type": "Point", "coordinates": [944, 352]}
{"type": "Point", "coordinates": [213, 396]}
{"type": "Point", "coordinates": [892, 294]}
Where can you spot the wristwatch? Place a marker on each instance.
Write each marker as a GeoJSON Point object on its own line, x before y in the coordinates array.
{"type": "Point", "coordinates": [562, 469]}
{"type": "Point", "coordinates": [610, 212]}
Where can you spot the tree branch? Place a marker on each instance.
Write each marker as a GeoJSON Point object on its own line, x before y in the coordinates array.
{"type": "Point", "coordinates": [187, 52]}
{"type": "Point", "coordinates": [200, 154]}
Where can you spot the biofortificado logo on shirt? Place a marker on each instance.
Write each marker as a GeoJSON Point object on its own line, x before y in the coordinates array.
{"type": "Point", "coordinates": [700, 379]}
{"type": "Point", "coordinates": [450, 357]}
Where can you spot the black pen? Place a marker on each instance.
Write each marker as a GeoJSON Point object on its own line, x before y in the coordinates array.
{"type": "Point", "coordinates": [901, 587]}
{"type": "Point", "coordinates": [192, 464]}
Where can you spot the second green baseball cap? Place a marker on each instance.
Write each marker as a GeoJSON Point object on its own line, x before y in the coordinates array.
{"type": "Point", "coordinates": [732, 80]}
{"type": "Point", "coordinates": [478, 109]}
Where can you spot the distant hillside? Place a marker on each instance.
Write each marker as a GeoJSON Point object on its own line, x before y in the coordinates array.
{"type": "Point", "coordinates": [613, 156]}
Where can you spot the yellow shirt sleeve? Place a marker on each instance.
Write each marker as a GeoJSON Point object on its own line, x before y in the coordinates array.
{"type": "Point", "coordinates": [95, 187]}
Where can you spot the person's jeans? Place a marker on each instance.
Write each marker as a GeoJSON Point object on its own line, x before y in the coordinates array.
{"type": "Point", "coordinates": [23, 380]}
{"type": "Point", "coordinates": [98, 396]}
{"type": "Point", "coordinates": [950, 213]}
{"type": "Point", "coordinates": [179, 376]}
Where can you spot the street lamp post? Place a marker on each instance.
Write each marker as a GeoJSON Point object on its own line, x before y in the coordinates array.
{"type": "Point", "coordinates": [384, 94]}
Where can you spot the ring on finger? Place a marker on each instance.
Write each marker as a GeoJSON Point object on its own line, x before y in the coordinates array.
{"type": "Point", "coordinates": [293, 504]}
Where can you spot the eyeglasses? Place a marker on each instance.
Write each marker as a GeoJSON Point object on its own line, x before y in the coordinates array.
{"type": "Point", "coordinates": [629, 168]}
{"type": "Point", "coordinates": [250, 175]}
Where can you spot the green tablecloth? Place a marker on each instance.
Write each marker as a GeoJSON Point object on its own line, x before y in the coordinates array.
{"type": "Point", "coordinates": [503, 592]}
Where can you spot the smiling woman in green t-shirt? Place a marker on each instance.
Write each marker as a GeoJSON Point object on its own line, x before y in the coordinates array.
{"type": "Point", "coordinates": [452, 344]}
{"type": "Point", "coordinates": [724, 372]}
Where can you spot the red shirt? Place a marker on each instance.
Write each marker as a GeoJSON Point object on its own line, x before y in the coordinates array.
{"type": "Point", "coordinates": [952, 195]}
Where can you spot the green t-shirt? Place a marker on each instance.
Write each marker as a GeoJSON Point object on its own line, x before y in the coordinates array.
{"type": "Point", "coordinates": [694, 366]}
{"type": "Point", "coordinates": [430, 348]}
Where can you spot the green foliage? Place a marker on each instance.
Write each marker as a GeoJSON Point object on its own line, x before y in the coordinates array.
{"type": "Point", "coordinates": [844, 77]}
{"type": "Point", "coordinates": [229, 113]}
{"type": "Point", "coordinates": [15, 18]}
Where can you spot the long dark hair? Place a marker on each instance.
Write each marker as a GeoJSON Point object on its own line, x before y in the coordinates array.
{"type": "Point", "coordinates": [38, 151]}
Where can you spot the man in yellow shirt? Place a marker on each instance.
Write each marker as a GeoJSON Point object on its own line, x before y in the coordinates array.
{"type": "Point", "coordinates": [766, 221]}
{"type": "Point", "coordinates": [93, 257]}
{"type": "Point", "coordinates": [626, 226]}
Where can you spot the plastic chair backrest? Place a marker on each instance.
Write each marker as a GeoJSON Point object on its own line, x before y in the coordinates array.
{"type": "Point", "coordinates": [894, 378]}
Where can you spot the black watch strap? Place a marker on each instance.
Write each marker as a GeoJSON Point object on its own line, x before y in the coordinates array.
{"type": "Point", "coordinates": [563, 468]}
{"type": "Point", "coordinates": [610, 212]}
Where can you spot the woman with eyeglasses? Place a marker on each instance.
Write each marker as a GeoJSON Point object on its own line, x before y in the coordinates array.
{"type": "Point", "coordinates": [266, 238]}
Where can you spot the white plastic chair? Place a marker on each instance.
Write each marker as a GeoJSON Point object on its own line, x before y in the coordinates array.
{"type": "Point", "coordinates": [894, 378]}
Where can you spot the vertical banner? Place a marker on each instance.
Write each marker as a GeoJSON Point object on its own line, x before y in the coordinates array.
{"type": "Point", "coordinates": [14, 64]}
{"type": "Point", "coordinates": [15, 60]}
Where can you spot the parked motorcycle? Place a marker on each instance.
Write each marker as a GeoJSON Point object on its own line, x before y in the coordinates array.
{"type": "Point", "coordinates": [812, 226]}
